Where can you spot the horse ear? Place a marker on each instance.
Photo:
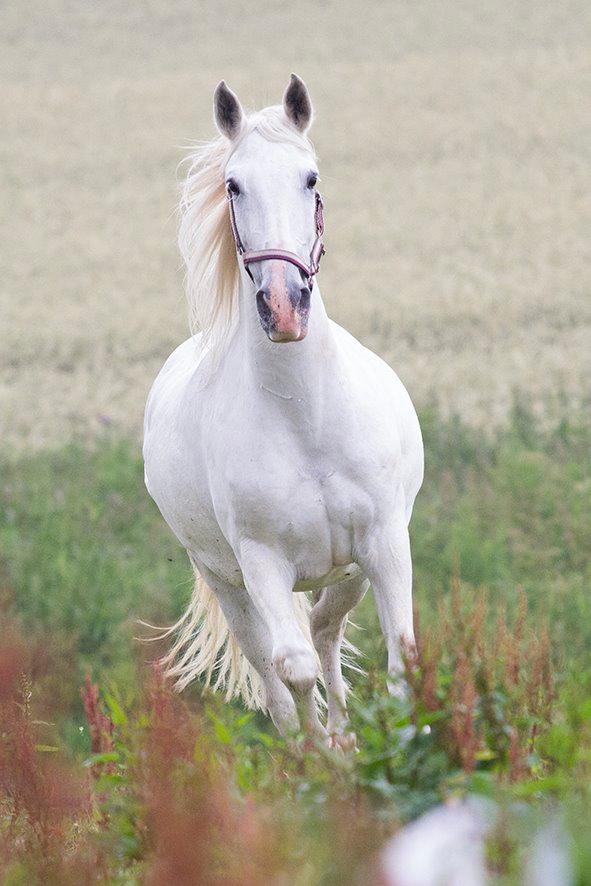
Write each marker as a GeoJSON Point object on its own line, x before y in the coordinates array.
{"type": "Point", "coordinates": [297, 104]}
{"type": "Point", "coordinates": [227, 111]}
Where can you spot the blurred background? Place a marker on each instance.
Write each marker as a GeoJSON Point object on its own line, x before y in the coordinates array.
{"type": "Point", "coordinates": [454, 147]}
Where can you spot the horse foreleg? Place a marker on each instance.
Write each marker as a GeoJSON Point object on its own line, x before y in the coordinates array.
{"type": "Point", "coordinates": [328, 621]}
{"type": "Point", "coordinates": [270, 584]}
{"type": "Point", "coordinates": [250, 630]}
{"type": "Point", "coordinates": [387, 563]}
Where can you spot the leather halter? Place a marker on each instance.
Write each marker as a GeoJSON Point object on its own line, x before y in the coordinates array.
{"type": "Point", "coordinates": [249, 258]}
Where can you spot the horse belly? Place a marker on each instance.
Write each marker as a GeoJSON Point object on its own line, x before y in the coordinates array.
{"type": "Point", "coordinates": [334, 577]}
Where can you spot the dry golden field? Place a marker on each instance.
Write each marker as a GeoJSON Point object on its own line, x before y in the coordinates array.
{"type": "Point", "coordinates": [455, 146]}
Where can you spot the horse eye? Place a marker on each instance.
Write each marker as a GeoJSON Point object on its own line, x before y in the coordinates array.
{"type": "Point", "coordinates": [232, 187]}
{"type": "Point", "coordinates": [312, 179]}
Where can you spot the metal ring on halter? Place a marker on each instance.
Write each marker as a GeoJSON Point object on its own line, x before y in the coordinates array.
{"type": "Point", "coordinates": [249, 258]}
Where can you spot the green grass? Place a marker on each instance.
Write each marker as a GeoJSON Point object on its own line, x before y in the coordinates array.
{"type": "Point", "coordinates": [85, 551]}
{"type": "Point", "coordinates": [509, 512]}
{"type": "Point", "coordinates": [505, 519]}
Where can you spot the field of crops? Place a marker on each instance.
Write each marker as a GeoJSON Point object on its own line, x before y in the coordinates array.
{"type": "Point", "coordinates": [454, 154]}
{"type": "Point", "coordinates": [454, 147]}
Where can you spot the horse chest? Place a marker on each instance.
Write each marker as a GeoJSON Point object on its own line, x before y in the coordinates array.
{"type": "Point", "coordinates": [309, 478]}
{"type": "Point", "coordinates": [296, 499]}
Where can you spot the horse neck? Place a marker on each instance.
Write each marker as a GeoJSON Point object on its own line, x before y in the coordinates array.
{"type": "Point", "coordinates": [291, 370]}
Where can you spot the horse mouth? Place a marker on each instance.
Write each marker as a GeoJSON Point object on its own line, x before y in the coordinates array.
{"type": "Point", "coordinates": [285, 336]}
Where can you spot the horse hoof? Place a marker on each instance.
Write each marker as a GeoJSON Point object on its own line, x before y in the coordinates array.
{"type": "Point", "coordinates": [398, 687]}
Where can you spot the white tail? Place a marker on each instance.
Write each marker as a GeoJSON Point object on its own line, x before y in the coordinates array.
{"type": "Point", "coordinates": [206, 648]}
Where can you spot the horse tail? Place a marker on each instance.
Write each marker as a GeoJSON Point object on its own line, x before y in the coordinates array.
{"type": "Point", "coordinates": [205, 648]}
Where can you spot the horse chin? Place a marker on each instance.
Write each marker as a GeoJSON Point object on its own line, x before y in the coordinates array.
{"type": "Point", "coordinates": [283, 337]}
{"type": "Point", "coordinates": [287, 335]}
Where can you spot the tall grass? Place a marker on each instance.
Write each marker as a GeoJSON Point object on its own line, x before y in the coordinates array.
{"type": "Point", "coordinates": [192, 790]}
{"type": "Point", "coordinates": [188, 792]}
{"type": "Point", "coordinates": [84, 552]}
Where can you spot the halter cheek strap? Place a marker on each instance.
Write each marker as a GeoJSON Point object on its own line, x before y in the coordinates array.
{"type": "Point", "coordinates": [249, 258]}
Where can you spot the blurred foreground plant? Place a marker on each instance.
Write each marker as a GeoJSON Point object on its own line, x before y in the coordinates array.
{"type": "Point", "coordinates": [184, 791]}
{"type": "Point", "coordinates": [44, 803]}
{"type": "Point", "coordinates": [487, 691]}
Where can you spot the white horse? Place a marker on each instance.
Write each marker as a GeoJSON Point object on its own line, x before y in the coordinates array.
{"type": "Point", "coordinates": [284, 455]}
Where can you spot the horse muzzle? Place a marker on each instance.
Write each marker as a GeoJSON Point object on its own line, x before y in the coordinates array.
{"type": "Point", "coordinates": [283, 306]}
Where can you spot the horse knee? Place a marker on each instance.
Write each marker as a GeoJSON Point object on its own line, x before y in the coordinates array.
{"type": "Point", "coordinates": [297, 667]}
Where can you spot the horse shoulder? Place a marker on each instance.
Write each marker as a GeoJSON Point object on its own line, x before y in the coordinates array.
{"type": "Point", "coordinates": [387, 412]}
{"type": "Point", "coordinates": [163, 413]}
{"type": "Point", "coordinates": [176, 370]}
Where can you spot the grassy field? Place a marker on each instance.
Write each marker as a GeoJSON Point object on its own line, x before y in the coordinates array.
{"type": "Point", "coordinates": [454, 147]}
{"type": "Point", "coordinates": [198, 791]}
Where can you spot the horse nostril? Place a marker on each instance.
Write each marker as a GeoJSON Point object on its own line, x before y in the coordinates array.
{"type": "Point", "coordinates": [304, 302]}
{"type": "Point", "coordinates": [263, 308]}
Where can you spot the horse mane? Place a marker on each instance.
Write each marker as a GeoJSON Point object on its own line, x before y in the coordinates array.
{"type": "Point", "coordinates": [205, 234]}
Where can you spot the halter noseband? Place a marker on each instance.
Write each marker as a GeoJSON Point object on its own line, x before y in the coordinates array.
{"type": "Point", "coordinates": [249, 258]}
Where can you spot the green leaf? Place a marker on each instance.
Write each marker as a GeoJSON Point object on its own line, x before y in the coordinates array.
{"type": "Point", "coordinates": [118, 715]}
{"type": "Point", "coordinates": [486, 754]}
{"type": "Point", "coordinates": [107, 757]}
{"type": "Point", "coordinates": [222, 732]}
{"type": "Point", "coordinates": [538, 785]}
{"type": "Point", "coordinates": [108, 779]}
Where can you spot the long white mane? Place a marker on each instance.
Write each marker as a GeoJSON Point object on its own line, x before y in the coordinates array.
{"type": "Point", "coordinates": [205, 235]}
